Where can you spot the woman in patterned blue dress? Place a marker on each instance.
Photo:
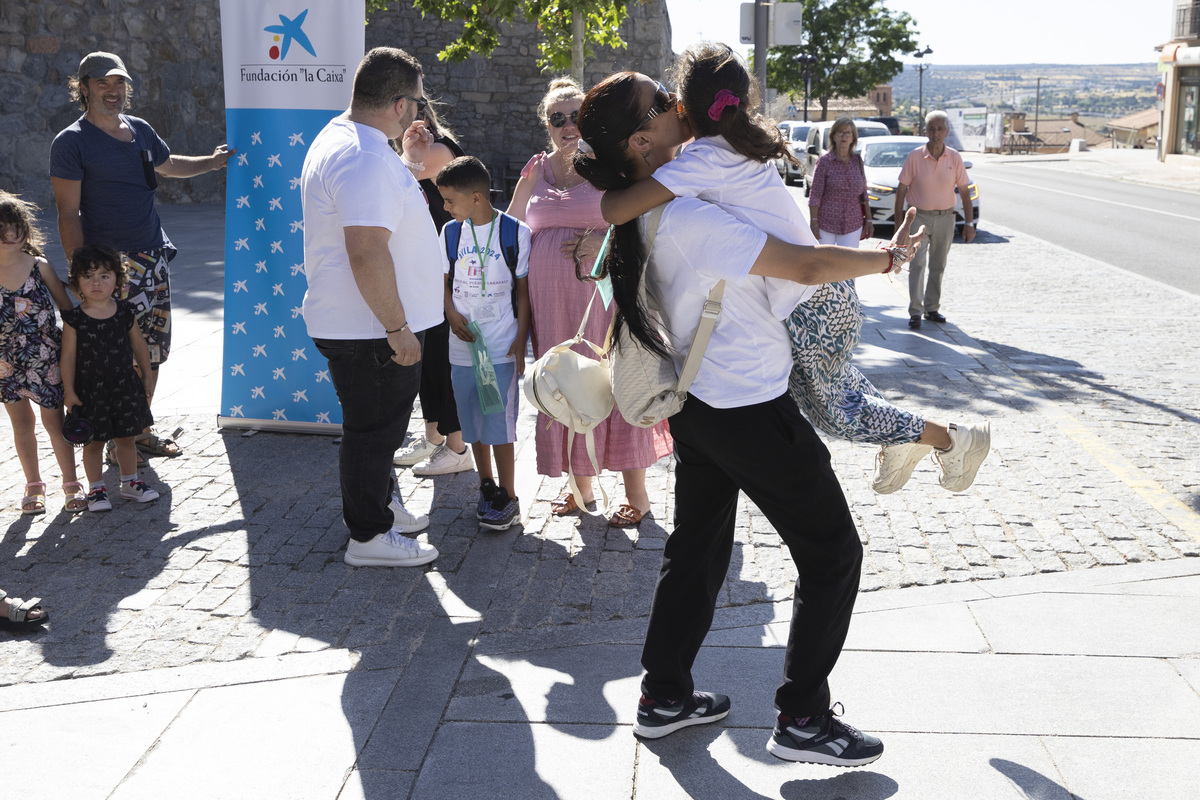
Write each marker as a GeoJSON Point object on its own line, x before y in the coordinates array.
{"type": "Point", "coordinates": [29, 350]}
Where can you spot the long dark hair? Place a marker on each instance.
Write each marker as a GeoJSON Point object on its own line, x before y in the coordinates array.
{"type": "Point", "coordinates": [707, 68]}
{"type": "Point", "coordinates": [609, 115]}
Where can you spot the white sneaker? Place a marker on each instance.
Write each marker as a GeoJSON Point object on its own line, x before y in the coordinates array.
{"type": "Point", "coordinates": [444, 462]}
{"type": "Point", "coordinates": [137, 490]}
{"type": "Point", "coordinates": [894, 465]}
{"type": "Point", "coordinates": [404, 520]}
{"type": "Point", "coordinates": [415, 453]}
{"type": "Point", "coordinates": [391, 549]}
{"type": "Point", "coordinates": [969, 446]}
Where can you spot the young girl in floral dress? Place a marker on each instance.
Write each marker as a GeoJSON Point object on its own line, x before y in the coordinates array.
{"type": "Point", "coordinates": [29, 351]}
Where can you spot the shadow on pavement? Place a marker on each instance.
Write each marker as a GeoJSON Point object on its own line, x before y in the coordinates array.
{"type": "Point", "coordinates": [1032, 783]}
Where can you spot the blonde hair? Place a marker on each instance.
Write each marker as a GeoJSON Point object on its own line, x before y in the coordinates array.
{"type": "Point", "coordinates": [560, 89]}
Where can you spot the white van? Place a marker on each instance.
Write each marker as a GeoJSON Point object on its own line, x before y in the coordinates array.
{"type": "Point", "coordinates": [818, 143]}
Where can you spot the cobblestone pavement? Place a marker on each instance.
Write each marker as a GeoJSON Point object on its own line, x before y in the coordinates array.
{"type": "Point", "coordinates": [1085, 371]}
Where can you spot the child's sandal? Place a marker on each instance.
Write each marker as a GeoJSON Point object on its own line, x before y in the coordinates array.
{"type": "Point", "coordinates": [34, 501]}
{"type": "Point", "coordinates": [76, 499]}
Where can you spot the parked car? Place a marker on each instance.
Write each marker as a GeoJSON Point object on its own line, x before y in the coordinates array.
{"type": "Point", "coordinates": [892, 123]}
{"type": "Point", "coordinates": [795, 133]}
{"type": "Point", "coordinates": [882, 160]}
{"type": "Point", "coordinates": [817, 143]}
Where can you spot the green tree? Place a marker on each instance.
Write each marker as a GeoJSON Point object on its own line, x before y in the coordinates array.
{"type": "Point", "coordinates": [554, 19]}
{"type": "Point", "coordinates": [856, 44]}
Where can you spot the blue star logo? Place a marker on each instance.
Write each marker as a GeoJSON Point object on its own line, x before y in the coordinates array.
{"type": "Point", "coordinates": [290, 30]}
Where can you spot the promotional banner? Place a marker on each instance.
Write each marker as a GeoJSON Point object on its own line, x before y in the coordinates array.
{"type": "Point", "coordinates": [289, 69]}
{"type": "Point", "coordinates": [968, 129]}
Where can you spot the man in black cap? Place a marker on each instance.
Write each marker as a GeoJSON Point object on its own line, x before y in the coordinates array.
{"type": "Point", "coordinates": [104, 168]}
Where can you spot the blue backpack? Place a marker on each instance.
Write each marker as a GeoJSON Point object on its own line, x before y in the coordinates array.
{"type": "Point", "coordinates": [509, 246]}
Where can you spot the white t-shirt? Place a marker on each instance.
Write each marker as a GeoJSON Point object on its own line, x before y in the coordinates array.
{"type": "Point", "coordinates": [749, 356]}
{"type": "Point", "coordinates": [486, 297]}
{"type": "Point", "coordinates": [712, 170]}
{"type": "Point", "coordinates": [352, 177]}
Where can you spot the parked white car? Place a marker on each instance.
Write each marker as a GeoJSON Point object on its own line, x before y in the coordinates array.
{"type": "Point", "coordinates": [796, 134]}
{"type": "Point", "coordinates": [883, 158]}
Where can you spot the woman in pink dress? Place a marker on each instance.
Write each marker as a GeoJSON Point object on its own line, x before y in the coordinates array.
{"type": "Point", "coordinates": [559, 207]}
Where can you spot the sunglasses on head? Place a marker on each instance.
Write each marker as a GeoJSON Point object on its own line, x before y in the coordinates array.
{"type": "Point", "coordinates": [558, 119]}
{"type": "Point", "coordinates": [664, 101]}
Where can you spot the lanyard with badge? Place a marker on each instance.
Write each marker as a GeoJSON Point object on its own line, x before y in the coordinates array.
{"type": "Point", "coordinates": [482, 255]}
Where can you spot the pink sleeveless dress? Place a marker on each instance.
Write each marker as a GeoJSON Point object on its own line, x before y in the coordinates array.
{"type": "Point", "coordinates": [557, 301]}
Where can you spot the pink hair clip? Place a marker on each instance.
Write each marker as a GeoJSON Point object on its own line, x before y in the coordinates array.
{"type": "Point", "coordinates": [723, 98]}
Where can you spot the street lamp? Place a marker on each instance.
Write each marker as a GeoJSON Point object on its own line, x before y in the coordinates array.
{"type": "Point", "coordinates": [921, 67]}
{"type": "Point", "coordinates": [807, 61]}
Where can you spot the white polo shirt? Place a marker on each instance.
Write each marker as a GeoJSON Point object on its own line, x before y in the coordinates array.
{"type": "Point", "coordinates": [352, 177]}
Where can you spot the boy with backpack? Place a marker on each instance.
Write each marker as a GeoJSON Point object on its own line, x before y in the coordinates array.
{"type": "Point", "coordinates": [487, 293]}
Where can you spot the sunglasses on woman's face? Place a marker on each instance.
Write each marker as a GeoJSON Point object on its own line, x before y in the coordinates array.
{"type": "Point", "coordinates": [664, 101]}
{"type": "Point", "coordinates": [558, 119]}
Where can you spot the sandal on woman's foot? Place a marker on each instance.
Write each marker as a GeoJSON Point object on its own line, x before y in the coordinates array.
{"type": "Point", "coordinates": [17, 619]}
{"type": "Point", "coordinates": [110, 456]}
{"type": "Point", "coordinates": [563, 504]}
{"type": "Point", "coordinates": [75, 498]}
{"type": "Point", "coordinates": [34, 501]}
{"type": "Point", "coordinates": [153, 445]}
{"type": "Point", "coordinates": [626, 516]}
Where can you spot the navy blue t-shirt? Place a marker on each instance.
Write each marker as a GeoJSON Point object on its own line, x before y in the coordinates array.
{"type": "Point", "coordinates": [116, 203]}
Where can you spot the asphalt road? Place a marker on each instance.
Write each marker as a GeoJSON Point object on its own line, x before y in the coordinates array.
{"type": "Point", "coordinates": [1147, 230]}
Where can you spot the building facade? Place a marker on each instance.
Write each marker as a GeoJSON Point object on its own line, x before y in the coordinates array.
{"type": "Point", "coordinates": [1180, 65]}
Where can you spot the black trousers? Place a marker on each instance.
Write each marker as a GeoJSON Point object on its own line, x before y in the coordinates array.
{"type": "Point", "coordinates": [376, 395]}
{"type": "Point", "coordinates": [770, 452]}
{"type": "Point", "coordinates": [437, 397]}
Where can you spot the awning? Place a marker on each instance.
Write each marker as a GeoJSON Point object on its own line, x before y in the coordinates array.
{"type": "Point", "coordinates": [1179, 53]}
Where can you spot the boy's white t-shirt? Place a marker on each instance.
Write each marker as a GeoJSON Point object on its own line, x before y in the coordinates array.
{"type": "Point", "coordinates": [711, 170]}
{"type": "Point", "coordinates": [485, 297]}
{"type": "Point", "coordinates": [749, 357]}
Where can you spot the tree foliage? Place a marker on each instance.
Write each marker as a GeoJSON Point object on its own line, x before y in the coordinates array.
{"type": "Point", "coordinates": [553, 18]}
{"type": "Point", "coordinates": [857, 44]}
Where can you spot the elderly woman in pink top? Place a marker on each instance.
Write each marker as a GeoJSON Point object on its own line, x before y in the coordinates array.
{"type": "Point", "coordinates": [837, 204]}
{"type": "Point", "coordinates": [560, 207]}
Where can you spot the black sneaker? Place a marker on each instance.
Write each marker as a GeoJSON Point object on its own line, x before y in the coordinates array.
{"type": "Point", "coordinates": [914, 323]}
{"type": "Point", "coordinates": [823, 739]}
{"type": "Point", "coordinates": [504, 511]}
{"type": "Point", "coordinates": [655, 719]}
{"type": "Point", "coordinates": [487, 490]}
{"type": "Point", "coordinates": [934, 316]}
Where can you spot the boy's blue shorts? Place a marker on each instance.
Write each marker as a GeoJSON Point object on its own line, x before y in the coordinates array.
{"type": "Point", "coordinates": [492, 429]}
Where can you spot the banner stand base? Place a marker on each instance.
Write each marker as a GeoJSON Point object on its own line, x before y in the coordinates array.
{"type": "Point", "coordinates": [279, 426]}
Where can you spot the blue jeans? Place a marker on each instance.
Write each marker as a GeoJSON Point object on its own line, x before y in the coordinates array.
{"type": "Point", "coordinates": [376, 395]}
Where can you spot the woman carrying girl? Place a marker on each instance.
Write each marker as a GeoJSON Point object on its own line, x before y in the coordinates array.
{"type": "Point", "coordinates": [738, 430]}
{"type": "Point", "coordinates": [560, 207]}
{"type": "Point", "coordinates": [29, 352]}
{"type": "Point", "coordinates": [101, 342]}
{"type": "Point", "coordinates": [729, 164]}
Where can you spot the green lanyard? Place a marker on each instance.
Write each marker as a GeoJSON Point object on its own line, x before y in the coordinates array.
{"type": "Point", "coordinates": [483, 255]}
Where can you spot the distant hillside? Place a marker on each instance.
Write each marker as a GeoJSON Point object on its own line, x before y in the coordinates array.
{"type": "Point", "coordinates": [1104, 90]}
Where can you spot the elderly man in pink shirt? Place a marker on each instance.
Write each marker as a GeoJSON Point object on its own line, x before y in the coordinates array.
{"type": "Point", "coordinates": [930, 176]}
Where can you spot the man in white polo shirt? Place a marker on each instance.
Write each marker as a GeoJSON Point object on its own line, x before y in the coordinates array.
{"type": "Point", "coordinates": [930, 176]}
{"type": "Point", "coordinates": [374, 270]}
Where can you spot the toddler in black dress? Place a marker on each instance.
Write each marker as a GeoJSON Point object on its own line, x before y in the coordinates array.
{"type": "Point", "coordinates": [100, 344]}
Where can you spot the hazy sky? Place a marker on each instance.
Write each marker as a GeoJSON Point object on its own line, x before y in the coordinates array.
{"type": "Point", "coordinates": [994, 32]}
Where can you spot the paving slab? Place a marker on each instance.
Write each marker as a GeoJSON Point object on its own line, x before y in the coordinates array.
{"type": "Point", "coordinates": [81, 751]}
{"type": "Point", "coordinates": [288, 738]}
{"type": "Point", "coordinates": [508, 761]}
{"type": "Point", "coordinates": [1092, 623]}
{"type": "Point", "coordinates": [715, 763]}
{"type": "Point", "coordinates": [1119, 769]}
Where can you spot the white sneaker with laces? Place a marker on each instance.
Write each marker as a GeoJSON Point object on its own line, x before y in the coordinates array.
{"type": "Point", "coordinates": [969, 446]}
{"type": "Point", "coordinates": [894, 465]}
{"type": "Point", "coordinates": [415, 453]}
{"type": "Point", "coordinates": [445, 462]}
{"type": "Point", "coordinates": [139, 491]}
{"type": "Point", "coordinates": [391, 549]}
{"type": "Point", "coordinates": [404, 520]}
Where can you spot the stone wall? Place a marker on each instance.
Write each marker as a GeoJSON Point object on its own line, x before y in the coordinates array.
{"type": "Point", "coordinates": [173, 50]}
